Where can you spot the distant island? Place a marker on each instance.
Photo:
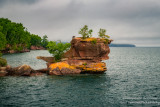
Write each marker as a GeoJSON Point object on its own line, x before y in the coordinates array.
{"type": "Point", "coordinates": [121, 45]}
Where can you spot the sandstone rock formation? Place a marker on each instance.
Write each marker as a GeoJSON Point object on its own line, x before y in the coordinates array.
{"type": "Point", "coordinates": [62, 68]}
{"type": "Point", "coordinates": [24, 70]}
{"type": "Point", "coordinates": [84, 56]}
{"type": "Point", "coordinates": [89, 49]}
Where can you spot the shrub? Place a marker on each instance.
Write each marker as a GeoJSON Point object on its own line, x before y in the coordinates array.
{"type": "Point", "coordinates": [85, 32]}
{"type": "Point", "coordinates": [106, 41]}
{"type": "Point", "coordinates": [85, 64]}
{"type": "Point", "coordinates": [57, 49]}
{"type": "Point", "coordinates": [102, 33]}
{"type": "Point", "coordinates": [3, 62]}
{"type": "Point", "coordinates": [94, 41]}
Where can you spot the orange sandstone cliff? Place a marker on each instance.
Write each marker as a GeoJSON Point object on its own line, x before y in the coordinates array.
{"type": "Point", "coordinates": [84, 56]}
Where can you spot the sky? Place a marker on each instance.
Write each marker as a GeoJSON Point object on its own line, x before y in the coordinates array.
{"type": "Point", "coordinates": [126, 21]}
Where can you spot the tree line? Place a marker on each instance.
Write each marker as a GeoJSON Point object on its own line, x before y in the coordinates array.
{"type": "Point", "coordinates": [16, 37]}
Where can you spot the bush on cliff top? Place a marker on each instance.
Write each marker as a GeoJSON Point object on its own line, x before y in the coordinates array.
{"type": "Point", "coordinates": [85, 32]}
{"type": "Point", "coordinates": [58, 49]}
{"type": "Point", "coordinates": [102, 33]}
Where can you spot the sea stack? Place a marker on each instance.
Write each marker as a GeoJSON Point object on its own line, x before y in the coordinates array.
{"type": "Point", "coordinates": [84, 56]}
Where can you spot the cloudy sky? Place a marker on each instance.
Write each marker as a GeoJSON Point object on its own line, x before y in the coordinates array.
{"type": "Point", "coordinates": [127, 21]}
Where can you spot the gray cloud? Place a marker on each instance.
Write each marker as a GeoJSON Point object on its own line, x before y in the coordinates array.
{"type": "Point", "coordinates": [4, 2]}
{"type": "Point", "coordinates": [126, 21]}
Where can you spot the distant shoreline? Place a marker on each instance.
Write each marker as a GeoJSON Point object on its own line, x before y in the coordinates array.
{"type": "Point", "coordinates": [121, 45]}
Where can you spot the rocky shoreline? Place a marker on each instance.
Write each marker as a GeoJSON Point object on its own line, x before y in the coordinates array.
{"type": "Point", "coordinates": [23, 70]}
{"type": "Point", "coordinates": [11, 51]}
{"type": "Point", "coordinates": [84, 56]}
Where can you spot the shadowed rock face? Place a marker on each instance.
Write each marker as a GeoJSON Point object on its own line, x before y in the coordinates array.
{"type": "Point", "coordinates": [90, 49]}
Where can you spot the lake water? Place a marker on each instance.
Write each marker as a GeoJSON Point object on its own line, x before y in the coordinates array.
{"type": "Point", "coordinates": [132, 80]}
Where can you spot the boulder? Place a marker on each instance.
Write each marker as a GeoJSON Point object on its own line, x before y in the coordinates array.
{"type": "Point", "coordinates": [24, 70]}
{"type": "Point", "coordinates": [3, 71]}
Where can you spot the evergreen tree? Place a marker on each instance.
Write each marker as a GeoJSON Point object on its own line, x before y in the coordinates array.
{"type": "Point", "coordinates": [44, 41]}
{"type": "Point", "coordinates": [57, 49]}
{"type": "Point", "coordinates": [85, 32]}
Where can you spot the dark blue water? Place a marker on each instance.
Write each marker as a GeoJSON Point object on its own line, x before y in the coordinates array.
{"type": "Point", "coordinates": [132, 80]}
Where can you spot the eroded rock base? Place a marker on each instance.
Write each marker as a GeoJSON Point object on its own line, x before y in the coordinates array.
{"type": "Point", "coordinates": [23, 70]}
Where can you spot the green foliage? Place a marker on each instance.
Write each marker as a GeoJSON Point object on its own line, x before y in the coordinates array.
{"type": "Point", "coordinates": [3, 62]}
{"type": "Point", "coordinates": [106, 41]}
{"type": "Point", "coordinates": [102, 33]}
{"type": "Point", "coordinates": [44, 41]}
{"type": "Point", "coordinates": [85, 64]}
{"type": "Point", "coordinates": [14, 32]}
{"type": "Point", "coordinates": [2, 41]}
{"type": "Point", "coordinates": [19, 48]}
{"type": "Point", "coordinates": [57, 49]}
{"type": "Point", "coordinates": [35, 40]}
{"type": "Point", "coordinates": [85, 32]}
{"type": "Point", "coordinates": [94, 41]}
{"type": "Point", "coordinates": [17, 37]}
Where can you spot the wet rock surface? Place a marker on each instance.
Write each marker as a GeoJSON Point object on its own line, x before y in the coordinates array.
{"type": "Point", "coordinates": [23, 70]}
{"type": "Point", "coordinates": [62, 68]}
